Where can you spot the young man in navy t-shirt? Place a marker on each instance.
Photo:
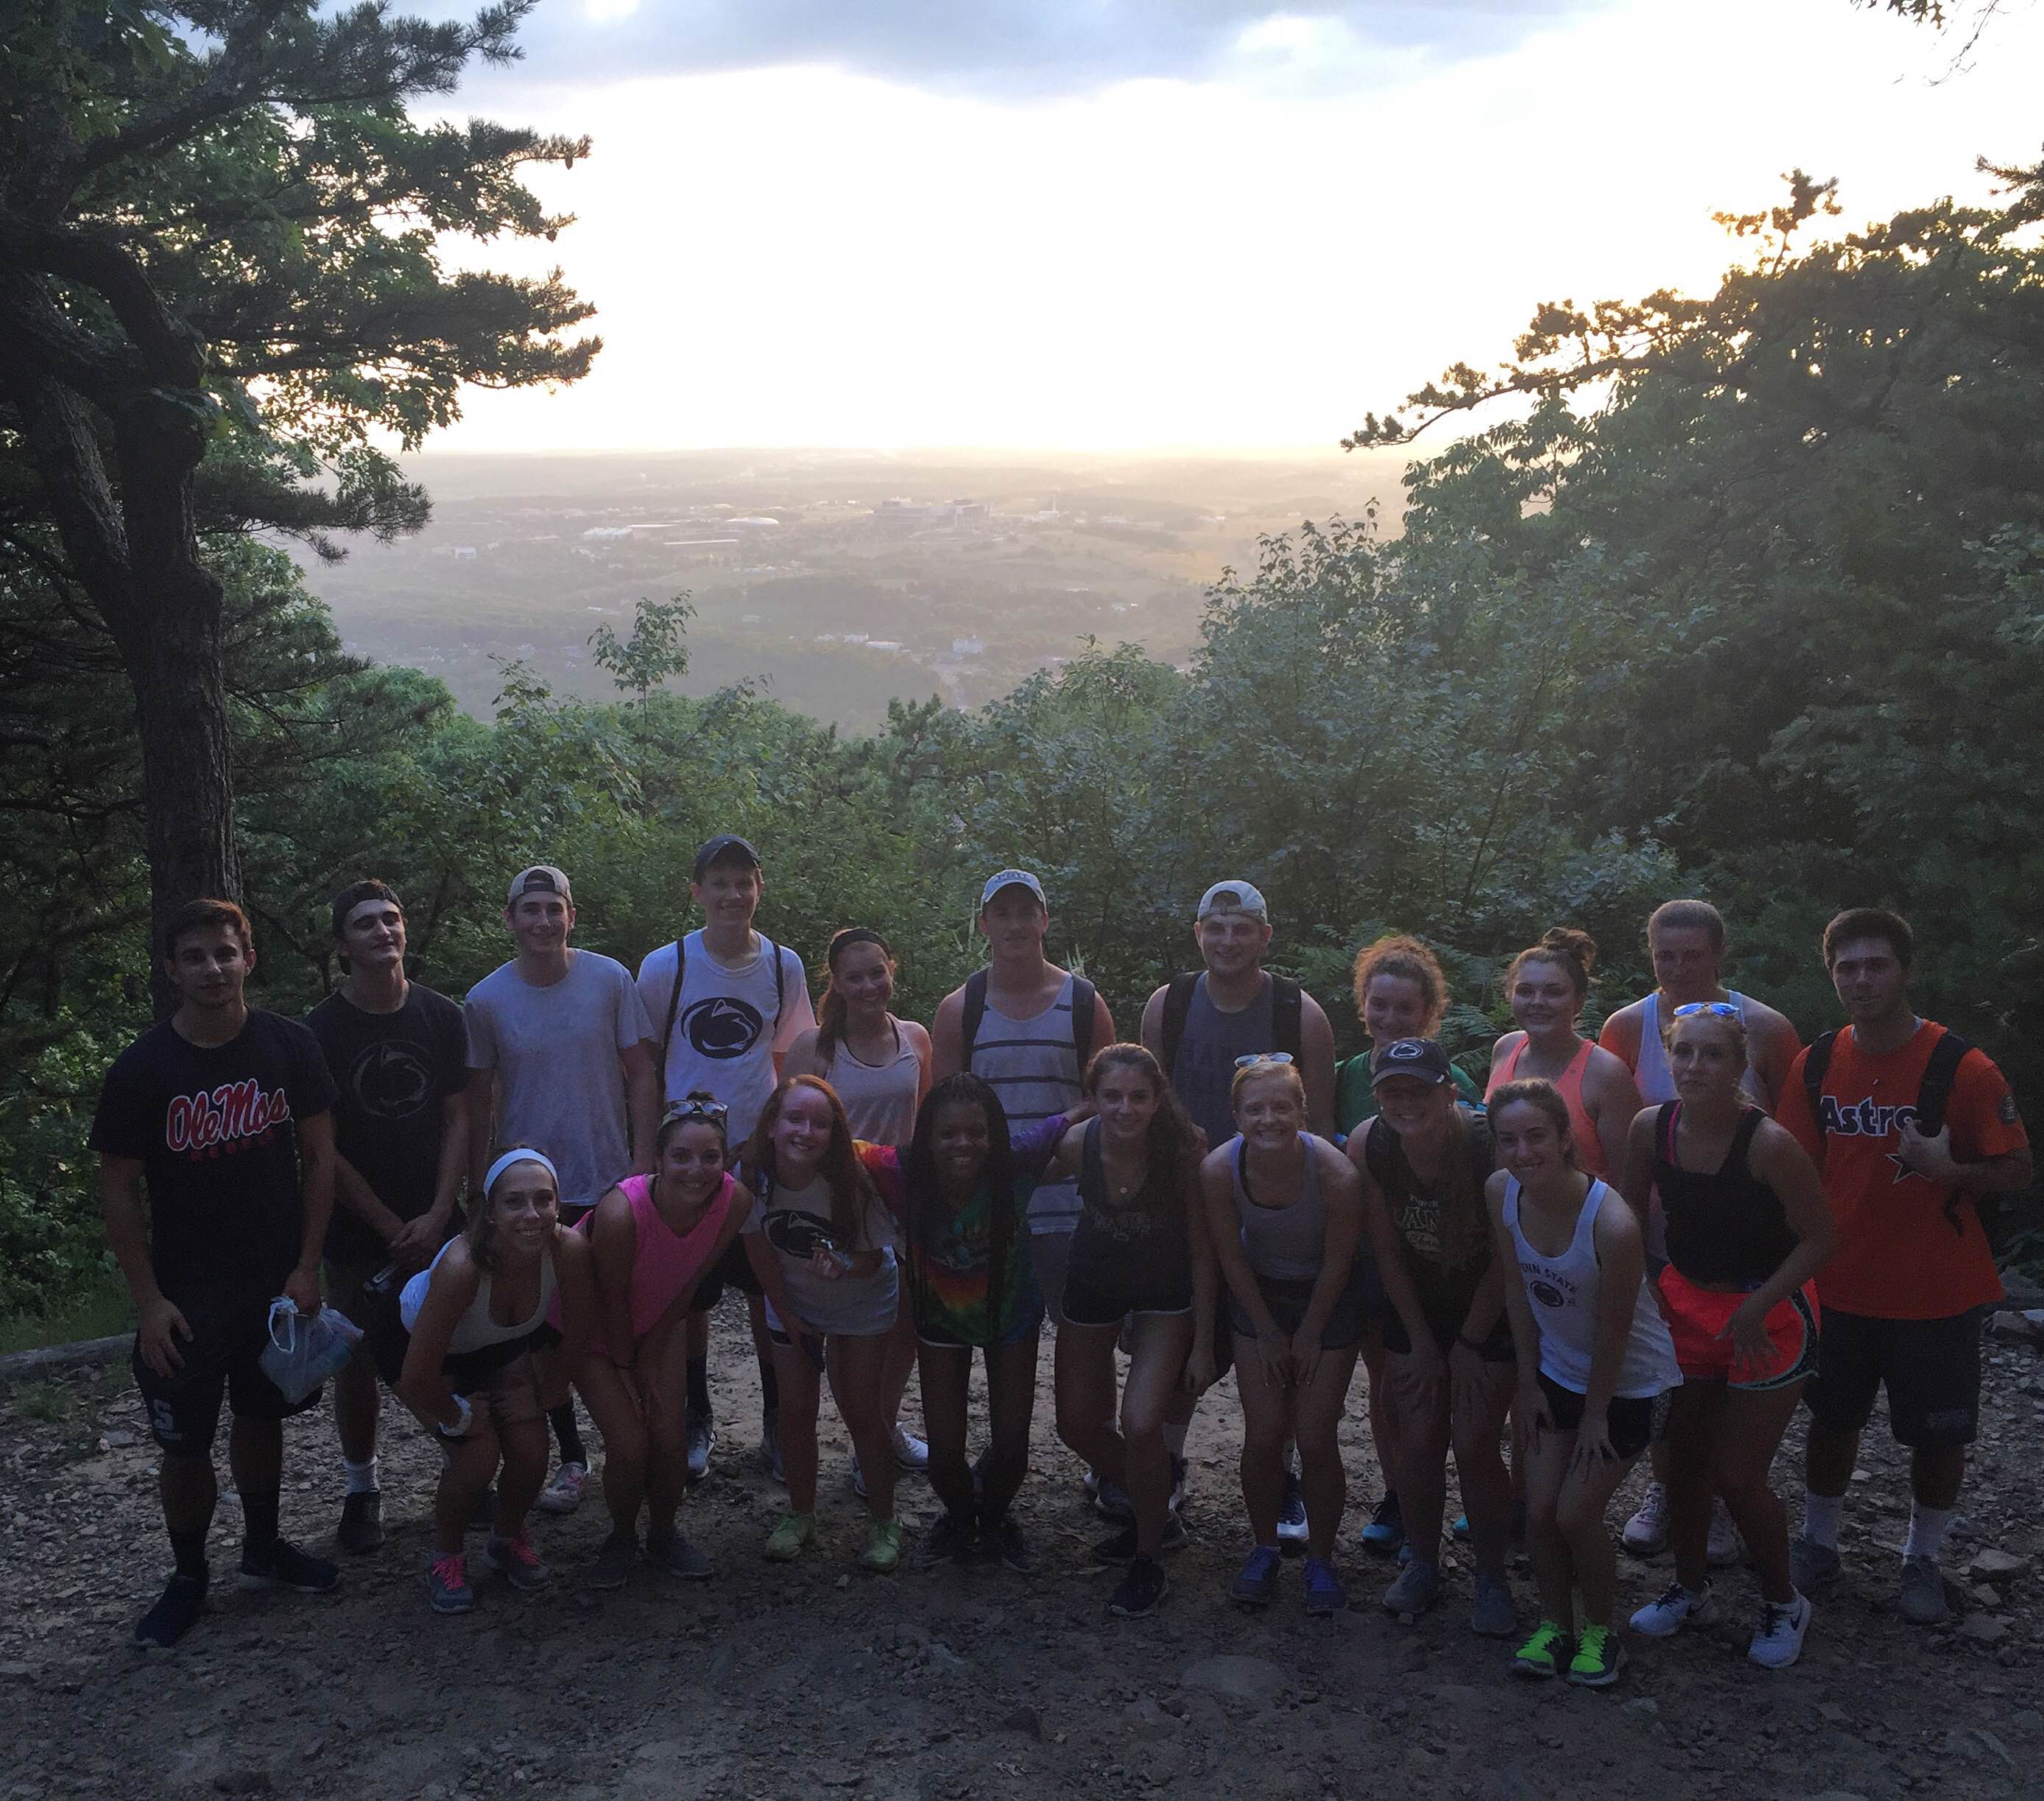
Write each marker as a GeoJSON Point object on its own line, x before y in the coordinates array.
{"type": "Point", "coordinates": [223, 1113]}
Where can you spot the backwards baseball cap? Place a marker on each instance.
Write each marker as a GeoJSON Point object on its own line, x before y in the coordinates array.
{"type": "Point", "coordinates": [727, 845]}
{"type": "Point", "coordinates": [1011, 879]}
{"type": "Point", "coordinates": [1233, 897]}
{"type": "Point", "coordinates": [1420, 1058]}
{"type": "Point", "coordinates": [541, 878]}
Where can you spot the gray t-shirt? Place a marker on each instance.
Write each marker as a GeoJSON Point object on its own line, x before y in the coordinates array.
{"type": "Point", "coordinates": [792, 1220]}
{"type": "Point", "coordinates": [554, 1050]}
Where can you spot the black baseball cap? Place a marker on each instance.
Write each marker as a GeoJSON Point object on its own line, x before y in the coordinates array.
{"type": "Point", "coordinates": [725, 844]}
{"type": "Point", "coordinates": [1420, 1057]}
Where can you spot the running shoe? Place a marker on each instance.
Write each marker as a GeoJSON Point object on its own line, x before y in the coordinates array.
{"type": "Point", "coordinates": [679, 1560]}
{"type": "Point", "coordinates": [1494, 1615]}
{"type": "Point", "coordinates": [1417, 1588]}
{"type": "Point", "coordinates": [1120, 1547]}
{"type": "Point", "coordinates": [1385, 1535]}
{"type": "Point", "coordinates": [175, 1613]}
{"type": "Point", "coordinates": [883, 1554]}
{"type": "Point", "coordinates": [1137, 1595]}
{"type": "Point", "coordinates": [447, 1584]}
{"type": "Point", "coordinates": [1291, 1515]}
{"type": "Point", "coordinates": [1257, 1584]}
{"type": "Point", "coordinates": [1725, 1547]}
{"type": "Point", "coordinates": [1646, 1532]}
{"type": "Point", "coordinates": [1673, 1608]}
{"type": "Point", "coordinates": [911, 1452]}
{"type": "Point", "coordinates": [952, 1539]}
{"type": "Point", "coordinates": [702, 1440]}
{"type": "Point", "coordinates": [1181, 1467]}
{"type": "Point", "coordinates": [1779, 1641]}
{"type": "Point", "coordinates": [361, 1528]}
{"type": "Point", "coordinates": [285, 1566]}
{"type": "Point", "coordinates": [515, 1559]}
{"type": "Point", "coordinates": [1812, 1567]}
{"type": "Point", "coordinates": [770, 1447]}
{"type": "Point", "coordinates": [1111, 1501]}
{"type": "Point", "coordinates": [1599, 1658]}
{"type": "Point", "coordinates": [1325, 1595]}
{"type": "Point", "coordinates": [1923, 1599]}
{"type": "Point", "coordinates": [614, 1559]}
{"type": "Point", "coordinates": [564, 1493]}
{"type": "Point", "coordinates": [788, 1540]}
{"type": "Point", "coordinates": [1459, 1531]}
{"type": "Point", "coordinates": [1545, 1655]}
{"type": "Point", "coordinates": [1010, 1549]}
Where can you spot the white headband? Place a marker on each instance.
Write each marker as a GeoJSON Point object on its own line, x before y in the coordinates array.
{"type": "Point", "coordinates": [520, 1156]}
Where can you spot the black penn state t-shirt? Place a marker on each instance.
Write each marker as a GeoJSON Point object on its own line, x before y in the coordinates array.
{"type": "Point", "coordinates": [214, 1128]}
{"type": "Point", "coordinates": [394, 1072]}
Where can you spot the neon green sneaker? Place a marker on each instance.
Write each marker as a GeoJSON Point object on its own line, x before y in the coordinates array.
{"type": "Point", "coordinates": [1599, 1658]}
{"type": "Point", "coordinates": [1542, 1656]}
{"type": "Point", "coordinates": [883, 1548]}
{"type": "Point", "coordinates": [787, 1541]}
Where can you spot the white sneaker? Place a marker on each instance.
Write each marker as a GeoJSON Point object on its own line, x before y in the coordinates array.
{"type": "Point", "coordinates": [1673, 1608]}
{"type": "Point", "coordinates": [1725, 1547]}
{"type": "Point", "coordinates": [564, 1494]}
{"type": "Point", "coordinates": [1779, 1641]}
{"type": "Point", "coordinates": [1646, 1532]}
{"type": "Point", "coordinates": [910, 1451]}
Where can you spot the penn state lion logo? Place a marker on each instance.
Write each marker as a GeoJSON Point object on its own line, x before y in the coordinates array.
{"type": "Point", "coordinates": [389, 1081]}
{"type": "Point", "coordinates": [721, 1027]}
{"type": "Point", "coordinates": [1547, 1294]}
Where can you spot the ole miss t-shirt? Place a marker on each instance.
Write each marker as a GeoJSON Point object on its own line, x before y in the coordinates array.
{"type": "Point", "coordinates": [214, 1128]}
{"type": "Point", "coordinates": [1904, 1251]}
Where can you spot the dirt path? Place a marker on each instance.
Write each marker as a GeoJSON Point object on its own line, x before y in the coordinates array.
{"type": "Point", "coordinates": [813, 1680]}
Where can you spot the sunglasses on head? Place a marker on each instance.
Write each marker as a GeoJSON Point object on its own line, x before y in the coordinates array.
{"type": "Point", "coordinates": [1256, 1057]}
{"type": "Point", "coordinates": [696, 1110]}
{"type": "Point", "coordinates": [1724, 1009]}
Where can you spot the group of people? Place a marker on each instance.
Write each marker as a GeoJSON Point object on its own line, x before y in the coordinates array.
{"type": "Point", "coordinates": [1655, 1245]}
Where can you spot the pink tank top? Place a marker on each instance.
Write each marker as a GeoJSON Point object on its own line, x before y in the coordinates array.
{"type": "Point", "coordinates": [666, 1262]}
{"type": "Point", "coordinates": [1589, 1147]}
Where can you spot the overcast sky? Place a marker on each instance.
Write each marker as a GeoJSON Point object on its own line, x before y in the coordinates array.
{"type": "Point", "coordinates": [1094, 224]}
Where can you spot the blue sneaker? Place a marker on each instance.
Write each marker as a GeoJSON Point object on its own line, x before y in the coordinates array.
{"type": "Point", "coordinates": [1460, 1530]}
{"type": "Point", "coordinates": [1325, 1595]}
{"type": "Point", "coordinates": [1386, 1532]}
{"type": "Point", "coordinates": [1257, 1585]}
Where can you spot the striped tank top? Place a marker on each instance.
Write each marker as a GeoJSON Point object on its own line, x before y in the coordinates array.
{"type": "Point", "coordinates": [1033, 1065]}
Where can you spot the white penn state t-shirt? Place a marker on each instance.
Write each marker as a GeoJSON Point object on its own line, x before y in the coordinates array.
{"type": "Point", "coordinates": [724, 1035]}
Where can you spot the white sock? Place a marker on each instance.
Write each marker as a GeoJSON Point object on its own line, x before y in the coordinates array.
{"type": "Point", "coordinates": [361, 1477]}
{"type": "Point", "coordinates": [1927, 1531]}
{"type": "Point", "coordinates": [1174, 1437]}
{"type": "Point", "coordinates": [1821, 1514]}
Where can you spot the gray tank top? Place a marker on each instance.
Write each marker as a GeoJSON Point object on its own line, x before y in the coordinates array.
{"type": "Point", "coordinates": [1204, 1071]}
{"type": "Point", "coordinates": [1033, 1065]}
{"type": "Point", "coordinates": [1284, 1244]}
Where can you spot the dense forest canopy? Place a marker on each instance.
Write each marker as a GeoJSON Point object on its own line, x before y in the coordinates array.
{"type": "Point", "coordinates": [1743, 597]}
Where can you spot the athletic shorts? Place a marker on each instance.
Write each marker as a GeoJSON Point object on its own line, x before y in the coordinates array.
{"type": "Point", "coordinates": [1287, 1302]}
{"type": "Point", "coordinates": [506, 1381]}
{"type": "Point", "coordinates": [938, 1337]}
{"type": "Point", "coordinates": [222, 1362]}
{"type": "Point", "coordinates": [778, 1333]}
{"type": "Point", "coordinates": [733, 1269]}
{"type": "Point", "coordinates": [1931, 1369]}
{"type": "Point", "coordinates": [346, 1284]}
{"type": "Point", "coordinates": [1696, 1315]}
{"type": "Point", "coordinates": [1108, 1296]}
{"type": "Point", "coordinates": [1497, 1348]}
{"type": "Point", "coordinates": [1634, 1422]}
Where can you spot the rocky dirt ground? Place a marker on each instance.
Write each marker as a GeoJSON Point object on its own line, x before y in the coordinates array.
{"type": "Point", "coordinates": [814, 1680]}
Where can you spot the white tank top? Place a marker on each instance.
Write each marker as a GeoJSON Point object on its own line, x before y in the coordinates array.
{"type": "Point", "coordinates": [1562, 1292]}
{"type": "Point", "coordinates": [475, 1330]}
{"type": "Point", "coordinates": [879, 1099]}
{"type": "Point", "coordinates": [1657, 1080]}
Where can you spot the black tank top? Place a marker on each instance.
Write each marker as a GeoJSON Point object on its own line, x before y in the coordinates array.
{"type": "Point", "coordinates": [1147, 1230]}
{"type": "Point", "coordinates": [1725, 1225]}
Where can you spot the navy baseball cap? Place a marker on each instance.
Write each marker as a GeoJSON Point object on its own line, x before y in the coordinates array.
{"type": "Point", "coordinates": [1418, 1056]}
{"type": "Point", "coordinates": [725, 844]}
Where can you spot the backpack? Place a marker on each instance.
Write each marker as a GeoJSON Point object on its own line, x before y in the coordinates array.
{"type": "Point", "coordinates": [1285, 1009]}
{"type": "Point", "coordinates": [674, 998]}
{"type": "Point", "coordinates": [1083, 995]}
{"type": "Point", "coordinates": [1934, 1093]}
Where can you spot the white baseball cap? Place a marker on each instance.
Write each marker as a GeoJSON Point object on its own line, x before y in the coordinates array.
{"type": "Point", "coordinates": [1233, 897]}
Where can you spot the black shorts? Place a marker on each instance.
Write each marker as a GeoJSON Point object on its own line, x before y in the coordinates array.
{"type": "Point", "coordinates": [1496, 1349]}
{"type": "Point", "coordinates": [1287, 1302]}
{"type": "Point", "coordinates": [1106, 1298]}
{"type": "Point", "coordinates": [1931, 1369]}
{"type": "Point", "coordinates": [1634, 1423]}
{"type": "Point", "coordinates": [733, 1269]}
{"type": "Point", "coordinates": [222, 1361]}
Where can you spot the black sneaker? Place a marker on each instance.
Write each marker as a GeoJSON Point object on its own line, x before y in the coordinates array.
{"type": "Point", "coordinates": [1140, 1591]}
{"type": "Point", "coordinates": [952, 1539]}
{"type": "Point", "coordinates": [285, 1566]}
{"type": "Point", "coordinates": [361, 1527]}
{"type": "Point", "coordinates": [1120, 1548]}
{"type": "Point", "coordinates": [1003, 1540]}
{"type": "Point", "coordinates": [176, 1613]}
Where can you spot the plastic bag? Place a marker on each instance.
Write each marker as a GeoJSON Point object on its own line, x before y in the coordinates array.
{"type": "Point", "coordinates": [302, 1353]}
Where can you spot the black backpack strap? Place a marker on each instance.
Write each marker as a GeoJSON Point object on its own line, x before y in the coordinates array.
{"type": "Point", "coordinates": [1178, 1005]}
{"type": "Point", "coordinates": [1816, 1059]}
{"type": "Point", "coordinates": [1376, 1153]}
{"type": "Point", "coordinates": [1934, 1095]}
{"type": "Point", "coordinates": [971, 1012]}
{"type": "Point", "coordinates": [780, 985]}
{"type": "Point", "coordinates": [1084, 994]}
{"type": "Point", "coordinates": [1286, 1007]}
{"type": "Point", "coordinates": [674, 1007]}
